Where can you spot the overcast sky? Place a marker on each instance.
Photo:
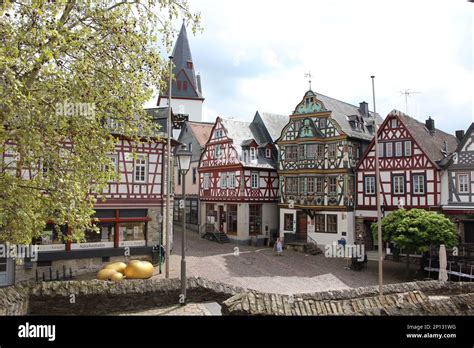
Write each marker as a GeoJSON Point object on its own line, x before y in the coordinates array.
{"type": "Point", "coordinates": [253, 55]}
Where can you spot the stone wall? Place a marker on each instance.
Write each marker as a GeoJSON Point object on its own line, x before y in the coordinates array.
{"type": "Point", "coordinates": [417, 298]}
{"type": "Point", "coordinates": [14, 300]}
{"type": "Point", "coordinates": [96, 297]}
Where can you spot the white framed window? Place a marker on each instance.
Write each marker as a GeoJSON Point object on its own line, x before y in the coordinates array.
{"type": "Point", "coordinates": [393, 123]}
{"type": "Point", "coordinates": [231, 180]}
{"type": "Point", "coordinates": [268, 153]}
{"type": "Point", "coordinates": [218, 134]}
{"type": "Point", "coordinates": [311, 150]}
{"type": "Point", "coordinates": [418, 184]}
{"type": "Point", "coordinates": [140, 169]}
{"type": "Point", "coordinates": [252, 154]}
{"type": "Point", "coordinates": [369, 185]}
{"type": "Point", "coordinates": [389, 149]}
{"type": "Point", "coordinates": [205, 181]}
{"type": "Point", "coordinates": [398, 149]}
{"type": "Point", "coordinates": [190, 146]}
{"type": "Point", "coordinates": [223, 180]}
{"type": "Point", "coordinates": [408, 150]}
{"type": "Point", "coordinates": [217, 151]}
{"type": "Point", "coordinates": [463, 183]}
{"type": "Point", "coordinates": [381, 153]}
{"type": "Point", "coordinates": [255, 180]}
{"type": "Point", "coordinates": [398, 184]}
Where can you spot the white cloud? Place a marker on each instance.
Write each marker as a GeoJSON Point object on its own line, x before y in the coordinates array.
{"type": "Point", "coordinates": [254, 54]}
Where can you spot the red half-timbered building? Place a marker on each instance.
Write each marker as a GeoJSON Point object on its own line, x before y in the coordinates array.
{"type": "Point", "coordinates": [238, 179]}
{"type": "Point", "coordinates": [410, 156]}
{"type": "Point", "coordinates": [130, 220]}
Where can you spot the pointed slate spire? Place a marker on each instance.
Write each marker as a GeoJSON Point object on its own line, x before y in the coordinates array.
{"type": "Point", "coordinates": [185, 83]}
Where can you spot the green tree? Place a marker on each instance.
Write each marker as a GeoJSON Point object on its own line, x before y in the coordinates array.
{"type": "Point", "coordinates": [103, 55]}
{"type": "Point", "coordinates": [417, 229]}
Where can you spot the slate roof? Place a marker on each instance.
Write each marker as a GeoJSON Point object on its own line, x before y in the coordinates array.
{"type": "Point", "coordinates": [432, 143]}
{"type": "Point", "coordinates": [160, 116]}
{"type": "Point", "coordinates": [342, 111]}
{"type": "Point", "coordinates": [274, 123]}
{"type": "Point", "coordinates": [241, 132]}
{"type": "Point", "coordinates": [181, 57]}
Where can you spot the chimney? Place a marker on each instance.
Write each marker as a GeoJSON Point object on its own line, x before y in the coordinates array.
{"type": "Point", "coordinates": [459, 134]}
{"type": "Point", "coordinates": [364, 109]}
{"type": "Point", "coordinates": [430, 125]}
{"type": "Point", "coordinates": [198, 78]}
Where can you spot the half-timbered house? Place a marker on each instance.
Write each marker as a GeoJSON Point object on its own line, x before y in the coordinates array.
{"type": "Point", "coordinates": [130, 219]}
{"type": "Point", "coordinates": [319, 148]}
{"type": "Point", "coordinates": [457, 186]}
{"type": "Point", "coordinates": [410, 156]}
{"type": "Point", "coordinates": [238, 179]}
{"type": "Point", "coordinates": [195, 136]}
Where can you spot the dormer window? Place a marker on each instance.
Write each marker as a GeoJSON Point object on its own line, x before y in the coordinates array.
{"type": "Point", "coordinates": [252, 154]}
{"type": "Point", "coordinates": [190, 64]}
{"type": "Point", "coordinates": [268, 153]}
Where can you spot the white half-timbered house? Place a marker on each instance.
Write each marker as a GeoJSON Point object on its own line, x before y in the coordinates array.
{"type": "Point", "coordinates": [238, 179]}
{"type": "Point", "coordinates": [131, 216]}
{"type": "Point", "coordinates": [457, 186]}
{"type": "Point", "coordinates": [410, 159]}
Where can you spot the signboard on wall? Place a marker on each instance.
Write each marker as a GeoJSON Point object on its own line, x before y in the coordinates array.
{"type": "Point", "coordinates": [52, 247]}
{"type": "Point", "coordinates": [98, 245]}
{"type": "Point", "coordinates": [132, 243]}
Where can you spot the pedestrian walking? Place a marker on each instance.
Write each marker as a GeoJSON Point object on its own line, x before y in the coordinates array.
{"type": "Point", "coordinates": [279, 247]}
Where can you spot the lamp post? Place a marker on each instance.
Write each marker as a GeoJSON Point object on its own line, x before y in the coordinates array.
{"type": "Point", "coordinates": [377, 198]}
{"type": "Point", "coordinates": [168, 174]}
{"type": "Point", "coordinates": [184, 161]}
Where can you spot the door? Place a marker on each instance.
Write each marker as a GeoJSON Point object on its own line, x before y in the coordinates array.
{"type": "Point", "coordinates": [468, 231]}
{"type": "Point", "coordinates": [302, 226]}
{"type": "Point", "coordinates": [6, 271]}
{"type": "Point", "coordinates": [221, 218]}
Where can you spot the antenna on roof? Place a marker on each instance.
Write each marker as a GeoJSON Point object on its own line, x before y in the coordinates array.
{"type": "Point", "coordinates": [308, 75]}
{"type": "Point", "coordinates": [407, 94]}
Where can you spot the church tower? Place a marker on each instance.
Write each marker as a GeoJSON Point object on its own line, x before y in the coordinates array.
{"type": "Point", "coordinates": [186, 97]}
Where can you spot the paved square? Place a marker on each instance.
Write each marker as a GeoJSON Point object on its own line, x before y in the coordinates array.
{"type": "Point", "coordinates": [260, 269]}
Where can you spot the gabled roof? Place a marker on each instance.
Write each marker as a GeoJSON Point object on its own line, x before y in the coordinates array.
{"type": "Point", "coordinates": [274, 123]}
{"type": "Point", "coordinates": [241, 133]}
{"type": "Point", "coordinates": [340, 112]}
{"type": "Point", "coordinates": [432, 143]}
{"type": "Point", "coordinates": [201, 130]}
{"type": "Point", "coordinates": [466, 136]}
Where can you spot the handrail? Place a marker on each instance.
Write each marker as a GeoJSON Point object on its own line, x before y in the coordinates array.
{"type": "Point", "coordinates": [311, 239]}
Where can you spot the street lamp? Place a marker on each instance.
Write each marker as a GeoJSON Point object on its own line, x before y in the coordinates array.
{"type": "Point", "coordinates": [184, 161]}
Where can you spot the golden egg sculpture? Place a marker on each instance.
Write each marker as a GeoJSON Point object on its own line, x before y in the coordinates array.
{"type": "Point", "coordinates": [117, 266]}
{"type": "Point", "coordinates": [116, 277]}
{"type": "Point", "coordinates": [105, 274]}
{"type": "Point", "coordinates": [137, 269]}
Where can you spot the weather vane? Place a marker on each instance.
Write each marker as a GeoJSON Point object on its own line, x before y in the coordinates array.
{"type": "Point", "coordinates": [308, 75]}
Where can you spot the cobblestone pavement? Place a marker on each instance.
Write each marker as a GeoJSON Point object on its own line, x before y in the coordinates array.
{"type": "Point", "coordinates": [260, 269]}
